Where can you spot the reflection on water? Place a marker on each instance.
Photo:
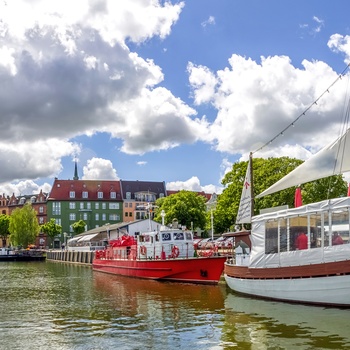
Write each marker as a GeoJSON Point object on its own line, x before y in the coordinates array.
{"type": "Point", "coordinates": [260, 324]}
{"type": "Point", "coordinates": [58, 306]}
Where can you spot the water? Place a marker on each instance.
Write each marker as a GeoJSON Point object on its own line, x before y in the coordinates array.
{"type": "Point", "coordinates": [60, 306]}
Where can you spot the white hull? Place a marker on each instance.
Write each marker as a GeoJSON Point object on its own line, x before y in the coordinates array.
{"type": "Point", "coordinates": [331, 290]}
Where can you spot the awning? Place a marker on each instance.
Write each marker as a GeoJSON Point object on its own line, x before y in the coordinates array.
{"type": "Point", "coordinates": [87, 237]}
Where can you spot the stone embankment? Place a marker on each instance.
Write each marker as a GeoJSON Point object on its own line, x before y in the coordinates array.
{"type": "Point", "coordinates": [68, 256]}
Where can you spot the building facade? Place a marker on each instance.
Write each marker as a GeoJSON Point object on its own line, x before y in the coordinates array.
{"type": "Point", "coordinates": [139, 197]}
{"type": "Point", "coordinates": [96, 202]}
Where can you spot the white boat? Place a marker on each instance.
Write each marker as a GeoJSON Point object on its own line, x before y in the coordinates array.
{"type": "Point", "coordinates": [280, 266]}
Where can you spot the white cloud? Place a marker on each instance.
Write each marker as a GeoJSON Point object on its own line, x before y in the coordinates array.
{"type": "Point", "coordinates": [209, 21]}
{"type": "Point", "coordinates": [24, 188]}
{"type": "Point", "coordinates": [257, 100]}
{"type": "Point", "coordinates": [192, 184]}
{"type": "Point", "coordinates": [141, 163]}
{"type": "Point", "coordinates": [340, 43]}
{"type": "Point", "coordinates": [99, 169]}
{"type": "Point", "coordinates": [67, 67]}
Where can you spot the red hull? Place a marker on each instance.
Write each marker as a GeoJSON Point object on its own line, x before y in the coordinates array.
{"type": "Point", "coordinates": [205, 270]}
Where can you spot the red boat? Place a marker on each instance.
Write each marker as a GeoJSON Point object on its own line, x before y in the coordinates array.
{"type": "Point", "coordinates": [166, 255]}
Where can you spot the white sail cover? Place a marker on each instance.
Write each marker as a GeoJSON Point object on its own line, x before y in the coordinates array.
{"type": "Point", "coordinates": [244, 214]}
{"type": "Point", "coordinates": [331, 160]}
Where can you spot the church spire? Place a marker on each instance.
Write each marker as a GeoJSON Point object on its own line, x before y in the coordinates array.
{"type": "Point", "coordinates": [76, 177]}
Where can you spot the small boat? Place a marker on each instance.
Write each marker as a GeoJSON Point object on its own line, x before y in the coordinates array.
{"type": "Point", "coordinates": [8, 254]}
{"type": "Point", "coordinates": [166, 254]}
{"type": "Point", "coordinates": [300, 254]}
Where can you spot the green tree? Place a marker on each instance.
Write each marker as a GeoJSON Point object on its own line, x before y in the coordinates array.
{"type": "Point", "coordinates": [23, 226]}
{"type": "Point", "coordinates": [4, 227]}
{"type": "Point", "coordinates": [79, 227]}
{"type": "Point", "coordinates": [265, 173]}
{"type": "Point", "coordinates": [51, 228]}
{"type": "Point", "coordinates": [186, 206]}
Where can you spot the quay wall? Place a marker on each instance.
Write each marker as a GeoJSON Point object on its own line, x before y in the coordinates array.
{"type": "Point", "coordinates": [71, 256]}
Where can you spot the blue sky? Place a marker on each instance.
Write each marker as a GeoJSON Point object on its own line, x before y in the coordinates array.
{"type": "Point", "coordinates": [164, 91]}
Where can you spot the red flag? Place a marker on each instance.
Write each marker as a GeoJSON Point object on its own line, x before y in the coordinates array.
{"type": "Point", "coordinates": [349, 190]}
{"type": "Point", "coordinates": [298, 202]}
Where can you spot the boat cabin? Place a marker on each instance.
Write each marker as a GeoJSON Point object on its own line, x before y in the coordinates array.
{"type": "Point", "coordinates": [165, 244]}
{"type": "Point", "coordinates": [315, 233]}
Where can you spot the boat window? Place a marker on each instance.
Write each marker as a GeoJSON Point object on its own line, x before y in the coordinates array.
{"type": "Point", "coordinates": [166, 236]}
{"type": "Point", "coordinates": [316, 235]}
{"type": "Point", "coordinates": [340, 227]}
{"type": "Point", "coordinates": [283, 237]}
{"type": "Point", "coordinates": [188, 236]}
{"type": "Point", "coordinates": [178, 236]}
{"type": "Point", "coordinates": [298, 228]}
{"type": "Point", "coordinates": [271, 237]}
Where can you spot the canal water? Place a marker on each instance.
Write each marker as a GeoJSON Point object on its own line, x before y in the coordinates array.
{"type": "Point", "coordinates": [50, 305]}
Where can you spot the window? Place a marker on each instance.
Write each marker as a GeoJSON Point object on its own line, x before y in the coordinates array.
{"type": "Point", "coordinates": [56, 208]}
{"type": "Point", "coordinates": [85, 216]}
{"type": "Point", "coordinates": [81, 205]}
{"type": "Point", "coordinates": [72, 216]}
{"type": "Point", "coordinates": [85, 194]}
{"type": "Point", "coordinates": [114, 217]}
{"type": "Point", "coordinates": [128, 195]}
{"type": "Point", "coordinates": [161, 195]}
{"type": "Point", "coordinates": [41, 220]}
{"type": "Point", "coordinates": [104, 206]}
{"type": "Point", "coordinates": [99, 194]}
{"type": "Point", "coordinates": [113, 195]}
{"type": "Point", "coordinates": [72, 194]}
{"type": "Point", "coordinates": [103, 217]}
{"type": "Point", "coordinates": [97, 216]}
{"type": "Point", "coordinates": [113, 205]}
{"type": "Point", "coordinates": [126, 214]}
{"type": "Point", "coordinates": [97, 205]}
{"type": "Point", "coordinates": [41, 210]}
{"type": "Point", "coordinates": [71, 205]}
{"type": "Point", "coordinates": [58, 222]}
{"type": "Point", "coordinates": [88, 205]}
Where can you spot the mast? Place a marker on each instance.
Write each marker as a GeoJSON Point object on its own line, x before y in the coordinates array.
{"type": "Point", "coordinates": [251, 185]}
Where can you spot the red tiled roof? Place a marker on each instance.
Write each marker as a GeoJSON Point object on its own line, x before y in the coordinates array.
{"type": "Point", "coordinates": [61, 189]}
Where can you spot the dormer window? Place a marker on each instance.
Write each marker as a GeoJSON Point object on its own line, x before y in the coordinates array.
{"type": "Point", "coordinates": [128, 195]}
{"type": "Point", "coordinates": [99, 195]}
{"type": "Point", "coordinates": [113, 195]}
{"type": "Point", "coordinates": [71, 194]}
{"type": "Point", "coordinates": [85, 194]}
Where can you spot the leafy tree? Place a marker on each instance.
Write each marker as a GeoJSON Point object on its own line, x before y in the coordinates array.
{"type": "Point", "coordinates": [4, 227]}
{"type": "Point", "coordinates": [265, 173]}
{"type": "Point", "coordinates": [51, 228]}
{"type": "Point", "coordinates": [23, 226]}
{"type": "Point", "coordinates": [79, 227]}
{"type": "Point", "coordinates": [186, 206]}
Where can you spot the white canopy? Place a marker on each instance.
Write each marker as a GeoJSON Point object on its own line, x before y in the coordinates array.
{"type": "Point", "coordinates": [331, 160]}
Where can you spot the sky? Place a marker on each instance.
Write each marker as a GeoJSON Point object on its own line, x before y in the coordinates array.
{"type": "Point", "coordinates": [173, 91]}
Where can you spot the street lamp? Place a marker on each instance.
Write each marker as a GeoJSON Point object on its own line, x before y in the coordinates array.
{"type": "Point", "coordinates": [211, 204]}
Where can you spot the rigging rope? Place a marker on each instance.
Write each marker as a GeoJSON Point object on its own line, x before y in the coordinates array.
{"type": "Point", "coordinates": [305, 111]}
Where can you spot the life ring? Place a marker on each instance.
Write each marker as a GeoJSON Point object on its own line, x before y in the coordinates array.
{"type": "Point", "coordinates": [175, 252]}
{"type": "Point", "coordinates": [143, 250]}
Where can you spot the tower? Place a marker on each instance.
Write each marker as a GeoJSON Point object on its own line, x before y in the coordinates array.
{"type": "Point", "coordinates": [76, 177]}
